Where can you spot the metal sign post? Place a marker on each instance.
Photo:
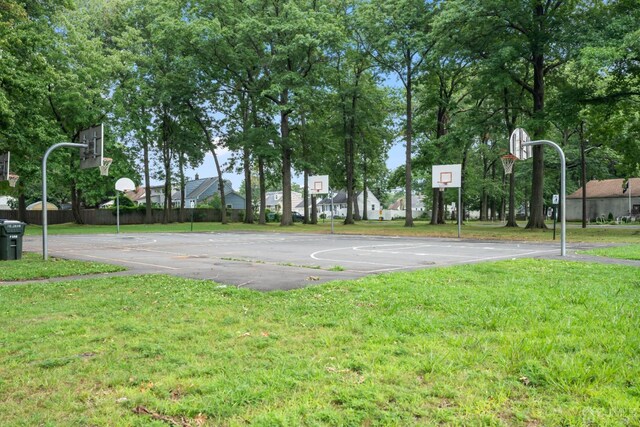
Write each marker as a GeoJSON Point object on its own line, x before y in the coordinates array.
{"type": "Point", "coordinates": [117, 212]}
{"type": "Point", "coordinates": [563, 192]}
{"type": "Point", "coordinates": [192, 204]}
{"type": "Point", "coordinates": [554, 202]}
{"type": "Point", "coordinates": [45, 254]}
{"type": "Point", "coordinates": [331, 197]}
{"type": "Point", "coordinates": [459, 206]}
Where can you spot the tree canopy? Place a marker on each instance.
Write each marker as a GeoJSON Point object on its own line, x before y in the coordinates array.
{"type": "Point", "coordinates": [322, 87]}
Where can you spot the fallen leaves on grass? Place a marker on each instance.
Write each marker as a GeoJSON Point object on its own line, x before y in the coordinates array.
{"type": "Point", "coordinates": [174, 421]}
{"type": "Point", "coordinates": [357, 378]}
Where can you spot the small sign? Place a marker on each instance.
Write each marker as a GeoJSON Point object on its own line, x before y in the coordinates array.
{"type": "Point", "coordinates": [556, 199]}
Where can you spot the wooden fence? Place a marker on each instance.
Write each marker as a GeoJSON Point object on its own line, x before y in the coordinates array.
{"type": "Point", "coordinates": [108, 216]}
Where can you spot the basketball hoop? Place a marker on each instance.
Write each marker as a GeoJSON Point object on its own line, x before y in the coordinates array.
{"type": "Point", "coordinates": [13, 179]}
{"type": "Point", "coordinates": [508, 161]}
{"type": "Point", "coordinates": [104, 167]}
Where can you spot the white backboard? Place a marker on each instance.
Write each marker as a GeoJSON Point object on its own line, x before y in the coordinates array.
{"type": "Point", "coordinates": [318, 184]}
{"type": "Point", "coordinates": [125, 184]}
{"type": "Point", "coordinates": [517, 138]}
{"type": "Point", "coordinates": [446, 176]}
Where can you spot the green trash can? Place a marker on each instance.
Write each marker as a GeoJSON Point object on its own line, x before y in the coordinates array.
{"type": "Point", "coordinates": [11, 233]}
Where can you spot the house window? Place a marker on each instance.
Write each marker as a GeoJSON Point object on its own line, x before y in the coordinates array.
{"type": "Point", "coordinates": [229, 206]}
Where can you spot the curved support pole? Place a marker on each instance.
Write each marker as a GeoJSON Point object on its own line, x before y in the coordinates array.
{"type": "Point", "coordinates": [563, 191]}
{"type": "Point", "coordinates": [45, 254]}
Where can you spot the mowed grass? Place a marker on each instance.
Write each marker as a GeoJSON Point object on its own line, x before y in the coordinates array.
{"type": "Point", "coordinates": [631, 252]}
{"type": "Point", "coordinates": [32, 266]}
{"type": "Point", "coordinates": [470, 230]}
{"type": "Point", "coordinates": [525, 342]}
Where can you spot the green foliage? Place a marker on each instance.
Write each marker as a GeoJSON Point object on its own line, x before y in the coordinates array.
{"type": "Point", "coordinates": [173, 81]}
{"type": "Point", "coordinates": [32, 266]}
{"type": "Point", "coordinates": [623, 252]}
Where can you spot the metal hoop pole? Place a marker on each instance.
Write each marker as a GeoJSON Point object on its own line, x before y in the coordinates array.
{"type": "Point", "coordinates": [44, 192]}
{"type": "Point", "coordinates": [563, 186]}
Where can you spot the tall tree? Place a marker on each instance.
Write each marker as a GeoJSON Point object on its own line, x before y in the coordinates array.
{"type": "Point", "coordinates": [396, 33]}
{"type": "Point", "coordinates": [528, 40]}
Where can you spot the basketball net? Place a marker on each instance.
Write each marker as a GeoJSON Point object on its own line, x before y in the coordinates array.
{"type": "Point", "coordinates": [104, 167]}
{"type": "Point", "coordinates": [508, 161]}
{"type": "Point", "coordinates": [13, 179]}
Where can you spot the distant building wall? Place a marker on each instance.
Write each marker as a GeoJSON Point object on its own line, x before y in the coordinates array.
{"type": "Point", "coordinates": [618, 206]}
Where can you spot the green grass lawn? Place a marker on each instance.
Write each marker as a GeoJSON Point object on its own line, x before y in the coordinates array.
{"type": "Point", "coordinates": [525, 342]}
{"type": "Point", "coordinates": [622, 252]}
{"type": "Point", "coordinates": [470, 230]}
{"type": "Point", "coordinates": [32, 266]}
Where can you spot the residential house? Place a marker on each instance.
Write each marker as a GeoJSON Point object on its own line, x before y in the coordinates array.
{"type": "Point", "coordinates": [273, 200]}
{"type": "Point", "coordinates": [197, 191]}
{"type": "Point", "coordinates": [340, 204]}
{"type": "Point", "coordinates": [204, 189]}
{"type": "Point", "coordinates": [604, 197]}
{"type": "Point", "coordinates": [398, 208]}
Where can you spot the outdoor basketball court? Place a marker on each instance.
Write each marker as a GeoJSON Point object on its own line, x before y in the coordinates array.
{"type": "Point", "coordinates": [266, 261]}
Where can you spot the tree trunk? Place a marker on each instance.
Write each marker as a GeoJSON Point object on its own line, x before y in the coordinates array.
{"type": "Point", "coordinates": [223, 203]}
{"type": "Point", "coordinates": [356, 208]}
{"type": "Point", "coordinates": [314, 210]}
{"type": "Point", "coordinates": [484, 198]}
{"type": "Point", "coordinates": [365, 191]}
{"type": "Point", "coordinates": [246, 166]}
{"type": "Point", "coordinates": [263, 192]}
{"type": "Point", "coordinates": [511, 221]}
{"type": "Point", "coordinates": [248, 192]}
{"type": "Point", "coordinates": [182, 187]}
{"type": "Point", "coordinates": [583, 177]}
{"type": "Point", "coordinates": [435, 208]}
{"type": "Point", "coordinates": [441, 208]}
{"type": "Point", "coordinates": [22, 207]}
{"type": "Point", "coordinates": [536, 219]}
{"type": "Point", "coordinates": [510, 124]}
{"type": "Point", "coordinates": [212, 148]}
{"type": "Point", "coordinates": [286, 218]}
{"type": "Point", "coordinates": [75, 203]}
{"type": "Point", "coordinates": [166, 160]}
{"type": "Point", "coordinates": [408, 222]}
{"type": "Point", "coordinates": [148, 213]}
{"type": "Point", "coordinates": [306, 172]}
{"type": "Point", "coordinates": [305, 194]}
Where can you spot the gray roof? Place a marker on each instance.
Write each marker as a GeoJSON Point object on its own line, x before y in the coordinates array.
{"type": "Point", "coordinates": [339, 198]}
{"type": "Point", "coordinates": [201, 189]}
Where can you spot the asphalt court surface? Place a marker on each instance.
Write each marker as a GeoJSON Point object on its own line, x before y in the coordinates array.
{"type": "Point", "coordinates": [264, 261]}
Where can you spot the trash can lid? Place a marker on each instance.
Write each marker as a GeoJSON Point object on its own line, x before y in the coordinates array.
{"type": "Point", "coordinates": [9, 221]}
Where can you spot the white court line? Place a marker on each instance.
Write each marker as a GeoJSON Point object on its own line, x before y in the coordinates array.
{"type": "Point", "coordinates": [394, 267]}
{"type": "Point", "coordinates": [314, 256]}
{"type": "Point", "coordinates": [494, 258]}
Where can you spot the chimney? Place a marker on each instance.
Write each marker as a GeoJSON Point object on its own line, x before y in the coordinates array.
{"type": "Point", "coordinates": [197, 177]}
